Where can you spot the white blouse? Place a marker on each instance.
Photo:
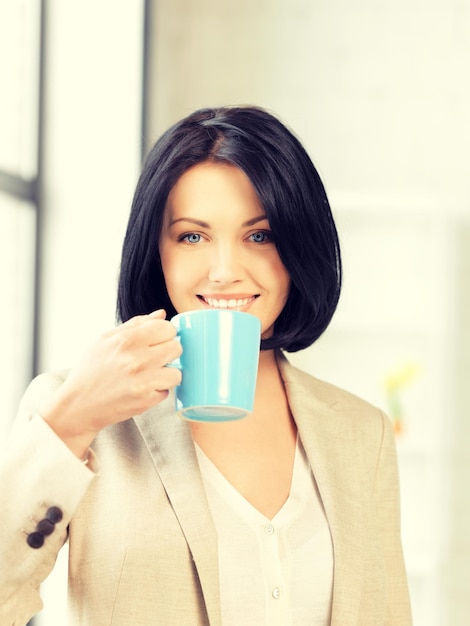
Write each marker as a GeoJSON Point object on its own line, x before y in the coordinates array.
{"type": "Point", "coordinates": [275, 572]}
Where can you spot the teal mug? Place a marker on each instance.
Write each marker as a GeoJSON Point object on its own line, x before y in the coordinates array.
{"type": "Point", "coordinates": [219, 364]}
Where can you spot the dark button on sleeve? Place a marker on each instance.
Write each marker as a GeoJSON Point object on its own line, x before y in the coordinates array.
{"type": "Point", "coordinates": [35, 540]}
{"type": "Point", "coordinates": [54, 514]}
{"type": "Point", "coordinates": [45, 527]}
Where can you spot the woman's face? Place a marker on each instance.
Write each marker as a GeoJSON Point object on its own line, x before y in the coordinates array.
{"type": "Point", "coordinates": [216, 248]}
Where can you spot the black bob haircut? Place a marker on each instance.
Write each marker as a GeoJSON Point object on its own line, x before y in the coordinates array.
{"type": "Point", "coordinates": [290, 191]}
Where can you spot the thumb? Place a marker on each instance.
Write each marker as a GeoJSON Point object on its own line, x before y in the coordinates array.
{"type": "Point", "coordinates": [159, 314]}
{"type": "Point", "coordinates": [141, 319]}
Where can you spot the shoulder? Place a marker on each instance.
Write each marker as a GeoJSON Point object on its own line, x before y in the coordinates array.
{"type": "Point", "coordinates": [40, 388]}
{"type": "Point", "coordinates": [330, 395]}
{"type": "Point", "coordinates": [330, 407]}
{"type": "Point", "coordinates": [45, 383]}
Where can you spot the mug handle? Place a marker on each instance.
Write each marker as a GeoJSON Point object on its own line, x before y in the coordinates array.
{"type": "Point", "coordinates": [176, 362]}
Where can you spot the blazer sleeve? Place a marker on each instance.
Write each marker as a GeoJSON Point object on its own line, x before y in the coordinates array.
{"type": "Point", "coordinates": [387, 506]}
{"type": "Point", "coordinates": [41, 485]}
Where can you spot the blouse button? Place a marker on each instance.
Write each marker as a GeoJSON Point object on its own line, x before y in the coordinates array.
{"type": "Point", "coordinates": [276, 593]}
{"type": "Point", "coordinates": [269, 529]}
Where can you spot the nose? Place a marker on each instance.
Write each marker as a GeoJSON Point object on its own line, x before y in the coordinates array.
{"type": "Point", "coordinates": [226, 264]}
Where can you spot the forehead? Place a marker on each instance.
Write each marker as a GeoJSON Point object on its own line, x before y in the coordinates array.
{"type": "Point", "coordinates": [213, 188]}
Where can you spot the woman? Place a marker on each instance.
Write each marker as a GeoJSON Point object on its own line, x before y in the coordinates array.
{"type": "Point", "coordinates": [289, 516]}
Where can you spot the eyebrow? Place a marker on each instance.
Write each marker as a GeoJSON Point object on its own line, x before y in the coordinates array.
{"type": "Point", "coordinates": [191, 220]}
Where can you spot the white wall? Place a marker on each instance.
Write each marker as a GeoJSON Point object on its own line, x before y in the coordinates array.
{"type": "Point", "coordinates": [92, 160]}
{"type": "Point", "coordinates": [377, 90]}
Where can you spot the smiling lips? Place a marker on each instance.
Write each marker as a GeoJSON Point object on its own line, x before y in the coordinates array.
{"type": "Point", "coordinates": [226, 303]}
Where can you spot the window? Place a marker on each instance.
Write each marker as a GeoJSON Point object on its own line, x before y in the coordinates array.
{"type": "Point", "coordinates": [20, 72]}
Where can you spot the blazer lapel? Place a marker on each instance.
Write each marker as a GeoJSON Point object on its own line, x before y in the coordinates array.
{"type": "Point", "coordinates": [170, 444]}
{"type": "Point", "coordinates": [330, 449]}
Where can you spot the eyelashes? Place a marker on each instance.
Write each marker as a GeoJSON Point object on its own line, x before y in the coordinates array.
{"type": "Point", "coordinates": [191, 238]}
{"type": "Point", "coordinates": [258, 237]}
{"type": "Point", "coordinates": [261, 236]}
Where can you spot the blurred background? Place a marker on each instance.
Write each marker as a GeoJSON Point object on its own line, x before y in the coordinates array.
{"type": "Point", "coordinates": [378, 91]}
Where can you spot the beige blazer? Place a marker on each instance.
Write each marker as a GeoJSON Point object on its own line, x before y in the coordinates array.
{"type": "Point", "coordinates": [143, 549]}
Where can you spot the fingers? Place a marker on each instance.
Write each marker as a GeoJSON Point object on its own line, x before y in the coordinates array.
{"type": "Point", "coordinates": [158, 331]}
{"type": "Point", "coordinates": [143, 348]}
{"type": "Point", "coordinates": [165, 352]}
{"type": "Point", "coordinates": [150, 329]}
{"type": "Point", "coordinates": [159, 314]}
{"type": "Point", "coordinates": [159, 356]}
{"type": "Point", "coordinates": [138, 320]}
{"type": "Point", "coordinates": [159, 396]}
{"type": "Point", "coordinates": [166, 378]}
{"type": "Point", "coordinates": [123, 373]}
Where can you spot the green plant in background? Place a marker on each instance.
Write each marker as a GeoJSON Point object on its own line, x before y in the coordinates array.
{"type": "Point", "coordinates": [395, 382]}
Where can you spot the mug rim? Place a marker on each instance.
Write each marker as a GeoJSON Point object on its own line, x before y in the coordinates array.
{"type": "Point", "coordinates": [209, 311]}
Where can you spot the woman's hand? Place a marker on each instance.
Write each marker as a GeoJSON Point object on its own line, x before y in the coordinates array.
{"type": "Point", "coordinates": [123, 374]}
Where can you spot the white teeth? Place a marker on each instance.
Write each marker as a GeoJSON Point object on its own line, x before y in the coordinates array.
{"type": "Point", "coordinates": [220, 303]}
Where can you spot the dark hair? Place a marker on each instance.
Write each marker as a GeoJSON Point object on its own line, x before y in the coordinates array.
{"type": "Point", "coordinates": [290, 191]}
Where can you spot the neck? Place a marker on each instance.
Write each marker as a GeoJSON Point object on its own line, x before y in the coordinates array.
{"type": "Point", "coordinates": [270, 391]}
{"type": "Point", "coordinates": [267, 362]}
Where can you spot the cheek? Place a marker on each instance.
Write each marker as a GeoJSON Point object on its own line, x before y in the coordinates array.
{"type": "Point", "coordinates": [284, 290]}
{"type": "Point", "coordinates": [178, 272]}
{"type": "Point", "coordinates": [281, 278]}
{"type": "Point", "coordinates": [174, 277]}
{"type": "Point", "coordinates": [170, 273]}
{"type": "Point", "coordinates": [279, 286]}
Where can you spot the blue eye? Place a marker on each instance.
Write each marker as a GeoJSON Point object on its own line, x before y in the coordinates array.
{"type": "Point", "coordinates": [191, 238]}
{"type": "Point", "coordinates": [260, 237]}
